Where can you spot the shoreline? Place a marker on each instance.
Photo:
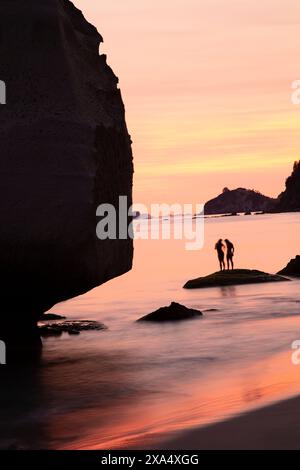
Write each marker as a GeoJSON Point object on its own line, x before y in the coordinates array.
{"type": "Point", "coordinates": [272, 427]}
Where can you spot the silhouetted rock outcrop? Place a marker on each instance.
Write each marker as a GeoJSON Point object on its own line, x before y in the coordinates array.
{"type": "Point", "coordinates": [174, 312]}
{"type": "Point", "coordinates": [70, 327]}
{"type": "Point", "coordinates": [65, 149]}
{"type": "Point", "coordinates": [292, 268]}
{"type": "Point", "coordinates": [289, 200]}
{"type": "Point", "coordinates": [233, 277]}
{"type": "Point", "coordinates": [239, 200]}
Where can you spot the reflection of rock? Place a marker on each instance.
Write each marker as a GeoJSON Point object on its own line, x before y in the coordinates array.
{"type": "Point", "coordinates": [292, 268]}
{"type": "Point", "coordinates": [233, 277]}
{"type": "Point", "coordinates": [174, 312]}
{"type": "Point", "coordinates": [65, 149]}
{"type": "Point", "coordinates": [70, 327]}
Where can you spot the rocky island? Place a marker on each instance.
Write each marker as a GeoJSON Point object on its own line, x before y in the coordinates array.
{"type": "Point", "coordinates": [248, 200]}
{"type": "Point", "coordinates": [289, 199]}
{"type": "Point", "coordinates": [292, 268]}
{"type": "Point", "coordinates": [233, 277]}
{"type": "Point", "coordinates": [173, 312]}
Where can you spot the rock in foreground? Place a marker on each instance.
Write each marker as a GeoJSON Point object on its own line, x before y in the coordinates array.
{"type": "Point", "coordinates": [233, 277]}
{"type": "Point", "coordinates": [65, 150]}
{"type": "Point", "coordinates": [50, 317]}
{"type": "Point", "coordinates": [292, 268]}
{"type": "Point", "coordinates": [174, 312]}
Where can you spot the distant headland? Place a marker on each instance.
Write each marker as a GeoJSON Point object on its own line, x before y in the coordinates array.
{"type": "Point", "coordinates": [249, 200]}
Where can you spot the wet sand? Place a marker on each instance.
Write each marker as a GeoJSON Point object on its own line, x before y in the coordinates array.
{"type": "Point", "coordinates": [273, 427]}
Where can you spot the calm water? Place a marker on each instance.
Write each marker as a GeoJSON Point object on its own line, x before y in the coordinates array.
{"type": "Point", "coordinates": [129, 385]}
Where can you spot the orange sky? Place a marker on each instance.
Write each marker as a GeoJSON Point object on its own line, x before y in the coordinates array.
{"type": "Point", "coordinates": [207, 90]}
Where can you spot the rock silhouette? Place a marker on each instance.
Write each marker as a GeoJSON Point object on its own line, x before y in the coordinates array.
{"type": "Point", "coordinates": [65, 149]}
{"type": "Point", "coordinates": [233, 277]}
{"type": "Point", "coordinates": [248, 200]}
{"type": "Point", "coordinates": [70, 327]}
{"type": "Point", "coordinates": [292, 268]}
{"type": "Point", "coordinates": [174, 312]}
{"type": "Point", "coordinates": [289, 200]}
{"type": "Point", "coordinates": [239, 200]}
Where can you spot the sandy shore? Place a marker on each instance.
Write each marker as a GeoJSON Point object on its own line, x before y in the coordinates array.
{"type": "Point", "coordinates": [273, 427]}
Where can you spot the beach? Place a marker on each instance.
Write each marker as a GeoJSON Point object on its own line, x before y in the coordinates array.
{"type": "Point", "coordinates": [274, 427]}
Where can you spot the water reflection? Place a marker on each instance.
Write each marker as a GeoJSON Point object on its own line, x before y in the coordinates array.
{"type": "Point", "coordinates": [228, 291]}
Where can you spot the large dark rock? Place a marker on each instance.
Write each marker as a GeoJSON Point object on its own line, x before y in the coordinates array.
{"type": "Point", "coordinates": [174, 312]}
{"type": "Point", "coordinates": [289, 200]}
{"type": "Point", "coordinates": [292, 268]}
{"type": "Point", "coordinates": [233, 277]}
{"type": "Point", "coordinates": [239, 200]}
{"type": "Point", "coordinates": [65, 149]}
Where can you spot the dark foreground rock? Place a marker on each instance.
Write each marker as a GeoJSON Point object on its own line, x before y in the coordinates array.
{"type": "Point", "coordinates": [65, 149]}
{"type": "Point", "coordinates": [51, 316]}
{"type": "Point", "coordinates": [233, 277]}
{"type": "Point", "coordinates": [292, 268]}
{"type": "Point", "coordinates": [22, 342]}
{"type": "Point", "coordinates": [70, 327]}
{"type": "Point", "coordinates": [174, 312]}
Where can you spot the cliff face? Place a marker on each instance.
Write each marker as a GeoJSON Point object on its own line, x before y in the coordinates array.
{"type": "Point", "coordinates": [289, 200]}
{"type": "Point", "coordinates": [239, 200]}
{"type": "Point", "coordinates": [65, 149]}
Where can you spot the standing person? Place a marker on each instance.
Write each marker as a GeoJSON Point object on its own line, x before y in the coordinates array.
{"type": "Point", "coordinates": [219, 246]}
{"type": "Point", "coordinates": [229, 253]}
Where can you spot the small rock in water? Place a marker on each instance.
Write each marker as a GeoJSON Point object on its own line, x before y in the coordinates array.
{"type": "Point", "coordinates": [233, 277]}
{"type": "Point", "coordinates": [174, 312]}
{"type": "Point", "coordinates": [70, 327]}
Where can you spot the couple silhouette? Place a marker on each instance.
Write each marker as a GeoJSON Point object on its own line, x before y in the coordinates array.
{"type": "Point", "coordinates": [221, 249]}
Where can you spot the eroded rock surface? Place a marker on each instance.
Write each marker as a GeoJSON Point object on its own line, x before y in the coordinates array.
{"type": "Point", "coordinates": [65, 149]}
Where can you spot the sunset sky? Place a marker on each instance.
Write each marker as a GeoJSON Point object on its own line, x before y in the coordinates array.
{"type": "Point", "coordinates": [207, 90]}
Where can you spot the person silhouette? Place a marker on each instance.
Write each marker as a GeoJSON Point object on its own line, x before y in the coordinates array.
{"type": "Point", "coordinates": [229, 253]}
{"type": "Point", "coordinates": [219, 246]}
